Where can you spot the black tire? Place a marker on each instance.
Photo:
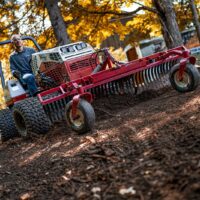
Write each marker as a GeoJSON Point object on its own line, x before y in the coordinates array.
{"type": "Point", "coordinates": [7, 125]}
{"type": "Point", "coordinates": [30, 118]}
{"type": "Point", "coordinates": [86, 117]}
{"type": "Point", "coordinates": [190, 79]}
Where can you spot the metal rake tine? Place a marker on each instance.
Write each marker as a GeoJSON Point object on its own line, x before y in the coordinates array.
{"type": "Point", "coordinates": [152, 74]}
{"type": "Point", "coordinates": [162, 69]}
{"type": "Point", "coordinates": [145, 78]}
{"type": "Point", "coordinates": [99, 91]}
{"type": "Point", "coordinates": [155, 73]}
{"type": "Point", "coordinates": [141, 85]}
{"type": "Point", "coordinates": [123, 84]}
{"type": "Point", "coordinates": [132, 84]}
{"type": "Point", "coordinates": [121, 87]}
{"type": "Point", "coordinates": [168, 68]}
{"type": "Point", "coordinates": [64, 106]}
{"type": "Point", "coordinates": [106, 89]}
{"type": "Point", "coordinates": [165, 68]}
{"type": "Point", "coordinates": [109, 88]}
{"type": "Point", "coordinates": [134, 80]}
{"type": "Point", "coordinates": [138, 79]}
{"type": "Point", "coordinates": [132, 89]}
{"type": "Point", "coordinates": [117, 87]}
{"type": "Point", "coordinates": [135, 84]}
{"type": "Point", "coordinates": [61, 109]}
{"type": "Point", "coordinates": [102, 90]}
{"type": "Point", "coordinates": [141, 78]}
{"type": "Point", "coordinates": [158, 71]}
{"type": "Point", "coordinates": [54, 111]}
{"type": "Point", "coordinates": [112, 88]}
{"type": "Point", "coordinates": [128, 86]}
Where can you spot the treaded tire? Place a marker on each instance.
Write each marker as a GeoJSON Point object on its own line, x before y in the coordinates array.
{"type": "Point", "coordinates": [190, 81]}
{"type": "Point", "coordinates": [30, 118]}
{"type": "Point", "coordinates": [7, 125]}
{"type": "Point", "coordinates": [86, 119]}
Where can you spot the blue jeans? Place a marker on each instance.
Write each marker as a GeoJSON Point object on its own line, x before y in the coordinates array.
{"type": "Point", "coordinates": [31, 84]}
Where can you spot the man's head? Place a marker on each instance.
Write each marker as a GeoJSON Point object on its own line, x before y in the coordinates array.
{"type": "Point", "coordinates": [17, 42]}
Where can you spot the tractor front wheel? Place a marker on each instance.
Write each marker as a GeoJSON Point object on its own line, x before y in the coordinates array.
{"type": "Point", "coordinates": [85, 117]}
{"type": "Point", "coordinates": [189, 80]}
{"type": "Point", "coordinates": [7, 125]}
{"type": "Point", "coordinates": [30, 118]}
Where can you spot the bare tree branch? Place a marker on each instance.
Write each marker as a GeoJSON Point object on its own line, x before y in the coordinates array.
{"type": "Point", "coordinates": [124, 13]}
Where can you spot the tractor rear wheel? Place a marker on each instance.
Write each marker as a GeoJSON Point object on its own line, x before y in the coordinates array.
{"type": "Point", "coordinates": [189, 81]}
{"type": "Point", "coordinates": [30, 118]}
{"type": "Point", "coordinates": [7, 125]}
{"type": "Point", "coordinates": [85, 119]}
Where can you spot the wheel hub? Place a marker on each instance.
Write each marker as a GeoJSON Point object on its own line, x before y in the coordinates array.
{"type": "Point", "coordinates": [184, 81]}
{"type": "Point", "coordinates": [78, 120]}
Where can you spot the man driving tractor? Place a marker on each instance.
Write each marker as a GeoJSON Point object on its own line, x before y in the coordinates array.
{"type": "Point", "coordinates": [20, 64]}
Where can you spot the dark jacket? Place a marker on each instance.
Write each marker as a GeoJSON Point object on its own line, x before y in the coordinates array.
{"type": "Point", "coordinates": [20, 61]}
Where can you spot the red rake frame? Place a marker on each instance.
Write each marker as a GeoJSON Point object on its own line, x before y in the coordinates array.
{"type": "Point", "coordinates": [116, 70]}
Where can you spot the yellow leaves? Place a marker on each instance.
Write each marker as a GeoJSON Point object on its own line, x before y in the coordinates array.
{"type": "Point", "coordinates": [84, 3]}
{"type": "Point", "coordinates": [118, 54]}
{"type": "Point", "coordinates": [41, 39]}
{"type": "Point", "coordinates": [96, 29]}
{"type": "Point", "coordinates": [130, 23]}
{"type": "Point", "coordinates": [106, 33]}
{"type": "Point", "coordinates": [148, 3]}
{"type": "Point", "coordinates": [68, 17]}
{"type": "Point", "coordinates": [128, 4]}
{"type": "Point", "coordinates": [2, 101]}
{"type": "Point", "coordinates": [145, 24]}
{"type": "Point", "coordinates": [47, 39]}
{"type": "Point", "coordinates": [184, 15]}
{"type": "Point", "coordinates": [6, 71]}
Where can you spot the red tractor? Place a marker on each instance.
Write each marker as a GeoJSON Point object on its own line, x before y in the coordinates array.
{"type": "Point", "coordinates": [69, 77]}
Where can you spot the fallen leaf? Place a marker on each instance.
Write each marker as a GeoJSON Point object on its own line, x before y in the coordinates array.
{"type": "Point", "coordinates": [124, 191]}
{"type": "Point", "coordinates": [25, 196]}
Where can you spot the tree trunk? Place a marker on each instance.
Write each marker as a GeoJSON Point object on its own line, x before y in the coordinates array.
{"type": "Point", "coordinates": [57, 22]}
{"type": "Point", "coordinates": [195, 17]}
{"type": "Point", "coordinates": [170, 29]}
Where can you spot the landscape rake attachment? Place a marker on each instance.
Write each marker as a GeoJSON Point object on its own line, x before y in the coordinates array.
{"type": "Point", "coordinates": [111, 77]}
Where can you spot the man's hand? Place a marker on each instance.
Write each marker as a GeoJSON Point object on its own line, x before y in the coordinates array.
{"type": "Point", "coordinates": [16, 74]}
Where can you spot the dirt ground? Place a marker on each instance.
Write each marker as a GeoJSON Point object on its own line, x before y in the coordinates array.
{"type": "Point", "coordinates": [144, 148]}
